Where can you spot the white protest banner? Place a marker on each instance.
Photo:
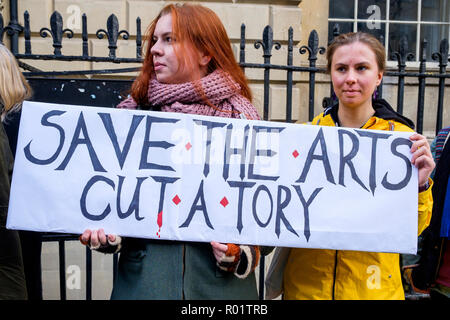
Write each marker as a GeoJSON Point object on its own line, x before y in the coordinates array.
{"type": "Point", "coordinates": [196, 178]}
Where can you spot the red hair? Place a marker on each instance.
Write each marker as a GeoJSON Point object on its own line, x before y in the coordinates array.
{"type": "Point", "coordinates": [195, 28]}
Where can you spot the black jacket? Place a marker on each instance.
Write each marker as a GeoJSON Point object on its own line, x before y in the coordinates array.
{"type": "Point", "coordinates": [382, 109]}
{"type": "Point", "coordinates": [12, 278]}
{"type": "Point", "coordinates": [433, 246]}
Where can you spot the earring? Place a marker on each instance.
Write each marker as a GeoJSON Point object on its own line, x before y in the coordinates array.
{"type": "Point", "coordinates": [333, 97]}
{"type": "Point", "coordinates": [375, 95]}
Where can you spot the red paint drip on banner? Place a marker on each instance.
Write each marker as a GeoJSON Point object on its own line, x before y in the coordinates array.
{"type": "Point", "coordinates": [159, 221]}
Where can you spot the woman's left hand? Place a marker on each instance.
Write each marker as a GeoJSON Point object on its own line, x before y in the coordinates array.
{"type": "Point", "coordinates": [219, 250]}
{"type": "Point", "coordinates": [422, 157]}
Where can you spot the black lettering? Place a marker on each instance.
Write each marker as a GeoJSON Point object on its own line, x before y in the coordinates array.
{"type": "Point", "coordinates": [120, 154]}
{"type": "Point", "coordinates": [134, 205]}
{"type": "Point", "coordinates": [255, 199]}
{"type": "Point", "coordinates": [210, 125]}
{"type": "Point", "coordinates": [241, 185]}
{"type": "Point", "coordinates": [164, 181]}
{"type": "Point", "coordinates": [347, 159]}
{"type": "Point", "coordinates": [395, 144]}
{"type": "Point", "coordinates": [88, 186]}
{"type": "Point", "coordinates": [234, 151]}
{"type": "Point", "coordinates": [321, 157]}
{"type": "Point", "coordinates": [76, 141]}
{"type": "Point", "coordinates": [260, 152]}
{"type": "Point", "coordinates": [198, 207]}
{"type": "Point", "coordinates": [373, 158]}
{"type": "Point", "coordinates": [306, 204]}
{"type": "Point", "coordinates": [280, 215]}
{"type": "Point", "coordinates": [144, 164]}
{"type": "Point", "coordinates": [46, 123]}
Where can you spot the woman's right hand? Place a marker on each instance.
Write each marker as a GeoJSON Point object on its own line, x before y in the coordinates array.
{"type": "Point", "coordinates": [97, 238]}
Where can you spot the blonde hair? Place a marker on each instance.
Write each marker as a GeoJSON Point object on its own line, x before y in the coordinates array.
{"type": "Point", "coordinates": [14, 88]}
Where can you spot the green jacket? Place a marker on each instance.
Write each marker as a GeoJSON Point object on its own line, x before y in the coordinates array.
{"type": "Point", "coordinates": [12, 278]}
{"type": "Point", "coordinates": [157, 269]}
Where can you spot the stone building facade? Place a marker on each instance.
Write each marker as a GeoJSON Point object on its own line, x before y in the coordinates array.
{"type": "Point", "coordinates": [302, 16]}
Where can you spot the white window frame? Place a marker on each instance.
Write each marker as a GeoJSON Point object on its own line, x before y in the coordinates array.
{"type": "Point", "coordinates": [387, 22]}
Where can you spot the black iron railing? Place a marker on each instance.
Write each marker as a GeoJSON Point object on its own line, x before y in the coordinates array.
{"type": "Point", "coordinates": [48, 80]}
{"type": "Point", "coordinates": [62, 239]}
{"type": "Point", "coordinates": [267, 44]}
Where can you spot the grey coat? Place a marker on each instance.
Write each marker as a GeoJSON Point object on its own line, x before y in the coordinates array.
{"type": "Point", "coordinates": [157, 269]}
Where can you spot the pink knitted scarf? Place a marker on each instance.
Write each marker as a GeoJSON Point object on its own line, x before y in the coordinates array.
{"type": "Point", "coordinates": [218, 87]}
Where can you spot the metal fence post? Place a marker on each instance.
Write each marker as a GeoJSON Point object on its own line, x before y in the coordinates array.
{"type": "Point", "coordinates": [15, 27]}
{"type": "Point", "coordinates": [267, 43]}
{"type": "Point", "coordinates": [62, 269]}
{"type": "Point", "coordinates": [442, 56]}
{"type": "Point", "coordinates": [421, 99]}
{"type": "Point", "coordinates": [313, 49]}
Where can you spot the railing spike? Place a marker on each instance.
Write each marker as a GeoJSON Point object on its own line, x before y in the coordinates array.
{"type": "Point", "coordinates": [313, 47]}
{"type": "Point", "coordinates": [442, 55]}
{"type": "Point", "coordinates": [84, 35]}
{"type": "Point", "coordinates": [27, 32]}
{"type": "Point", "coordinates": [138, 38]}
{"type": "Point", "coordinates": [112, 33]}
{"type": "Point", "coordinates": [267, 43]}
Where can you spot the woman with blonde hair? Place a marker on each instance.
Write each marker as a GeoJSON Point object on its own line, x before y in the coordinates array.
{"type": "Point", "coordinates": [13, 90]}
{"type": "Point", "coordinates": [189, 67]}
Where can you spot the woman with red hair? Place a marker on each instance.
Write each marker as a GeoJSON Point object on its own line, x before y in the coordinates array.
{"type": "Point", "coordinates": [189, 67]}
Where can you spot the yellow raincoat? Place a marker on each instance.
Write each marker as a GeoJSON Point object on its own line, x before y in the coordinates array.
{"type": "Point", "coordinates": [339, 274]}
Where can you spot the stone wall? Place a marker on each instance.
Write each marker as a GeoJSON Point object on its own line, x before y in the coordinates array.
{"type": "Point", "coordinates": [254, 14]}
{"type": "Point", "coordinates": [303, 16]}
